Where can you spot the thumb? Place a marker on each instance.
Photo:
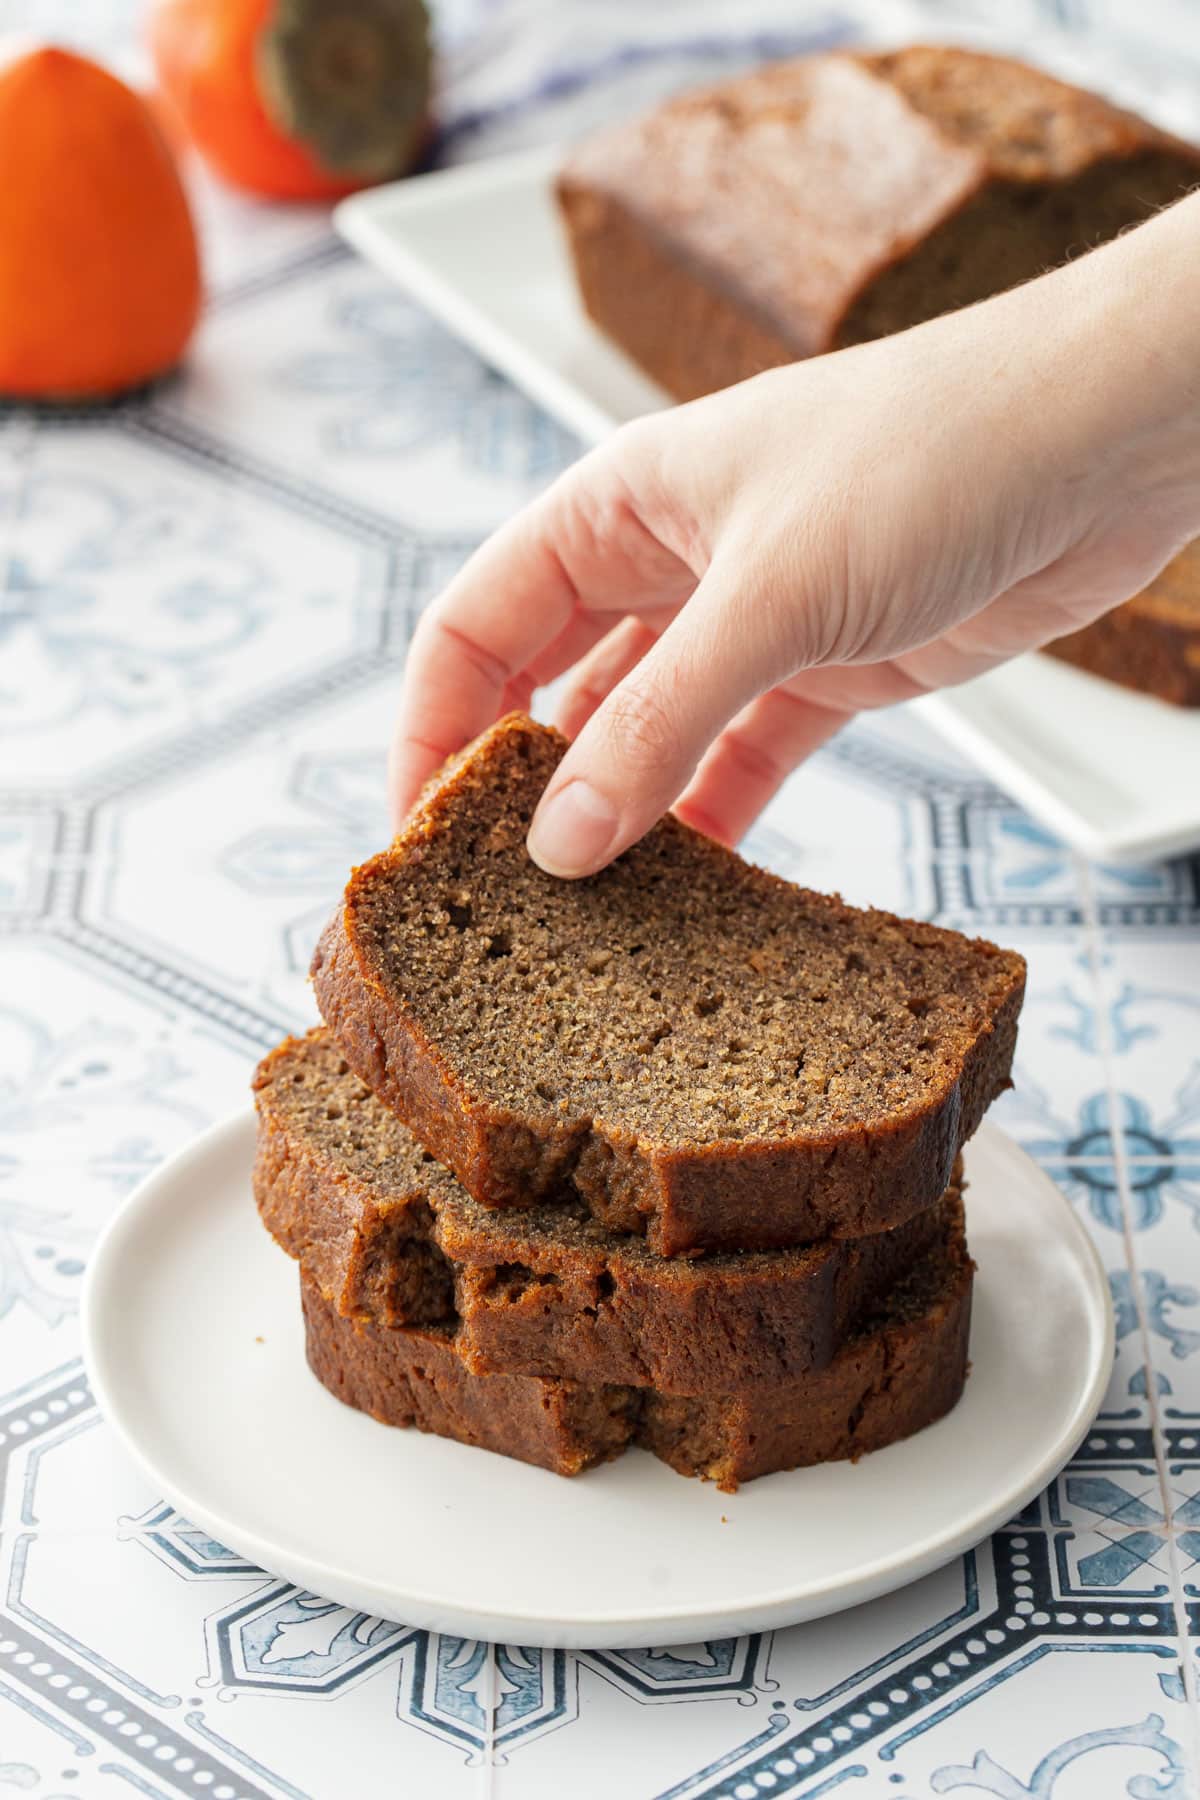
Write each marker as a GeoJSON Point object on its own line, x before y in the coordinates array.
{"type": "Point", "coordinates": [640, 748]}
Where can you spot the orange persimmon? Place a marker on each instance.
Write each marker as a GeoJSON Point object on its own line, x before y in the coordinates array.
{"type": "Point", "coordinates": [297, 99]}
{"type": "Point", "coordinates": [99, 271]}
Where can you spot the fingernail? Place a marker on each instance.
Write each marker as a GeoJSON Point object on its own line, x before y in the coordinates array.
{"type": "Point", "coordinates": [571, 830]}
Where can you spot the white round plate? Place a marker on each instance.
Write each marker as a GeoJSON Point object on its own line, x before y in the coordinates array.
{"type": "Point", "coordinates": [194, 1344]}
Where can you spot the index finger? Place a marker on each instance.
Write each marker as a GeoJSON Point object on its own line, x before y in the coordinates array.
{"type": "Point", "coordinates": [509, 601]}
{"type": "Point", "coordinates": [524, 606]}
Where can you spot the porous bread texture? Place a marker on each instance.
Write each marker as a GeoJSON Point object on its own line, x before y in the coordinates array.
{"type": "Point", "coordinates": [833, 199]}
{"type": "Point", "coordinates": [903, 1373]}
{"type": "Point", "coordinates": [415, 1377]}
{"type": "Point", "coordinates": [393, 1239]}
{"type": "Point", "coordinates": [694, 1048]}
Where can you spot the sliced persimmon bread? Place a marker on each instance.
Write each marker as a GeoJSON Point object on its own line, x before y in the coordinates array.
{"type": "Point", "coordinates": [695, 1048]}
{"type": "Point", "coordinates": [391, 1237]}
{"type": "Point", "coordinates": [414, 1376]}
{"type": "Point", "coordinates": [893, 1379]}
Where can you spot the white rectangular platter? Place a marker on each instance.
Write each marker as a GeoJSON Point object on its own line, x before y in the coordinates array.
{"type": "Point", "coordinates": [1116, 775]}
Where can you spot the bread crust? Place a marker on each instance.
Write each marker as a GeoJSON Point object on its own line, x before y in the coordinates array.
{"type": "Point", "coordinates": [738, 1193]}
{"type": "Point", "coordinates": [544, 1291]}
{"type": "Point", "coordinates": [414, 1377]}
{"type": "Point", "coordinates": [772, 217]}
{"type": "Point", "coordinates": [884, 1386]}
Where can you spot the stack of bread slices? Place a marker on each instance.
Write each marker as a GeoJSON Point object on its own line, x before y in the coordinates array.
{"type": "Point", "coordinates": [668, 1157]}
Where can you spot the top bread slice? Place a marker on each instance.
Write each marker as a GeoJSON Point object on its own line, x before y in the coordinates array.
{"type": "Point", "coordinates": [697, 1049]}
{"type": "Point", "coordinates": [833, 199]}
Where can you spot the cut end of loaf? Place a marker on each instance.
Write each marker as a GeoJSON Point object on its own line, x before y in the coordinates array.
{"type": "Point", "coordinates": [834, 199]}
{"type": "Point", "coordinates": [681, 996]}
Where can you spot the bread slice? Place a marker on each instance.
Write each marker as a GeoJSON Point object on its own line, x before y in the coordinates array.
{"type": "Point", "coordinates": [694, 1048]}
{"type": "Point", "coordinates": [888, 1383]}
{"type": "Point", "coordinates": [1152, 643]}
{"type": "Point", "coordinates": [414, 1376]}
{"type": "Point", "coordinates": [833, 199]}
{"type": "Point", "coordinates": [392, 1238]}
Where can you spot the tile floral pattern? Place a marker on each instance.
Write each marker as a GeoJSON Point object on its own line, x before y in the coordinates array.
{"type": "Point", "coordinates": [205, 600]}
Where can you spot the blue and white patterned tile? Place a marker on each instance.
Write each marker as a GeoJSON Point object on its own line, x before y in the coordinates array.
{"type": "Point", "coordinates": [859, 820]}
{"type": "Point", "coordinates": [225, 872]}
{"type": "Point", "coordinates": [1074, 1581]}
{"type": "Point", "coordinates": [888, 816]}
{"type": "Point", "coordinates": [1150, 987]}
{"type": "Point", "coordinates": [1110, 1534]}
{"type": "Point", "coordinates": [816, 1666]}
{"type": "Point", "coordinates": [735, 1693]}
{"type": "Point", "coordinates": [42, 1758]}
{"type": "Point", "coordinates": [1016, 861]}
{"type": "Point", "coordinates": [1021, 867]}
{"type": "Point", "coordinates": [1094, 1190]}
{"type": "Point", "coordinates": [539, 72]}
{"type": "Point", "coordinates": [165, 567]}
{"type": "Point", "coordinates": [1166, 1250]}
{"type": "Point", "coordinates": [643, 1717]}
{"type": "Point", "coordinates": [340, 374]}
{"type": "Point", "coordinates": [1156, 1302]}
{"type": "Point", "coordinates": [26, 848]}
{"type": "Point", "coordinates": [1051, 1731]}
{"type": "Point", "coordinates": [64, 1472]}
{"type": "Point", "coordinates": [97, 1084]}
{"type": "Point", "coordinates": [206, 1652]}
{"type": "Point", "coordinates": [250, 243]}
{"type": "Point", "coordinates": [1058, 1108]}
{"type": "Point", "coordinates": [1181, 1431]}
{"type": "Point", "coordinates": [1153, 1517]}
{"type": "Point", "coordinates": [145, 594]}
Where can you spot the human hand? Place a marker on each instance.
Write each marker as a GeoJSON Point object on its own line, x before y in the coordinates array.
{"type": "Point", "coordinates": [729, 581]}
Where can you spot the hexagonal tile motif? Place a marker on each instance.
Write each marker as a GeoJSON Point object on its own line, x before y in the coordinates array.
{"type": "Point", "coordinates": [146, 591]}
{"type": "Point", "coordinates": [251, 851]}
{"type": "Point", "coordinates": [345, 375]}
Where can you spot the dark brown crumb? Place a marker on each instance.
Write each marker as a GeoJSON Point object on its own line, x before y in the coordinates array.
{"type": "Point", "coordinates": [391, 1237]}
{"type": "Point", "coordinates": [884, 1386]}
{"type": "Point", "coordinates": [696, 1048]}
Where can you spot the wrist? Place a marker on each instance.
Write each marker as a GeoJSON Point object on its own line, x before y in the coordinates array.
{"type": "Point", "coordinates": [1127, 329]}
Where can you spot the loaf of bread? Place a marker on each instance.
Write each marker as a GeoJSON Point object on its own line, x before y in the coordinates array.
{"type": "Point", "coordinates": [902, 1372]}
{"type": "Point", "coordinates": [1152, 643]}
{"type": "Point", "coordinates": [823, 202]}
{"type": "Point", "coordinates": [693, 1048]}
{"type": "Point", "coordinates": [392, 1238]}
